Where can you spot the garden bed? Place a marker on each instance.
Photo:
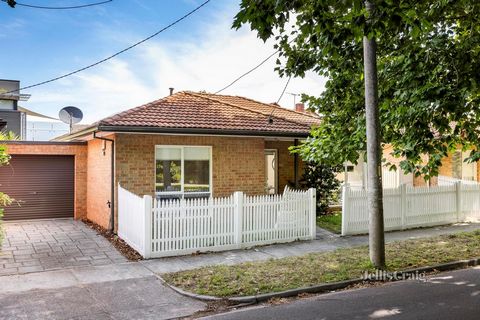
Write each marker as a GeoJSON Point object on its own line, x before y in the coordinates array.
{"type": "Point", "coordinates": [127, 251]}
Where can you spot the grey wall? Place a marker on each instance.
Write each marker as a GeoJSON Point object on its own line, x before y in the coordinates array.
{"type": "Point", "coordinates": [7, 86]}
{"type": "Point", "coordinates": [15, 122]}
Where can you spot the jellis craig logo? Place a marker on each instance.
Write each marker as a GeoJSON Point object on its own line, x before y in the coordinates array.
{"type": "Point", "coordinates": [381, 275]}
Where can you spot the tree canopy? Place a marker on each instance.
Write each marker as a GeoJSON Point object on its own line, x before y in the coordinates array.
{"type": "Point", "coordinates": [428, 64]}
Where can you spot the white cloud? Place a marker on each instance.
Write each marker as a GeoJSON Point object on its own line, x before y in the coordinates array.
{"type": "Point", "coordinates": [145, 74]}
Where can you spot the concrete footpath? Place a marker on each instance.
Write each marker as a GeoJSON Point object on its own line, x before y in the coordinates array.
{"type": "Point", "coordinates": [132, 290]}
{"type": "Point", "coordinates": [117, 291]}
{"type": "Point", "coordinates": [325, 241]}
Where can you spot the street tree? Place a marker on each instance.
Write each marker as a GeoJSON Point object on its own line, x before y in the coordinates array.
{"type": "Point", "coordinates": [427, 55]}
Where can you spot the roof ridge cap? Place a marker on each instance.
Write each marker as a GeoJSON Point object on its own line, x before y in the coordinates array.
{"type": "Point", "coordinates": [134, 109]}
{"type": "Point", "coordinates": [277, 106]}
{"type": "Point", "coordinates": [247, 109]}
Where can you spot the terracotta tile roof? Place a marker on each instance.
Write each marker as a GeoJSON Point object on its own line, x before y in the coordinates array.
{"type": "Point", "coordinates": [191, 110]}
{"type": "Point", "coordinates": [265, 108]}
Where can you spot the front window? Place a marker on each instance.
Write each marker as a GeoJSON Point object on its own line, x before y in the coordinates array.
{"type": "Point", "coordinates": [182, 171]}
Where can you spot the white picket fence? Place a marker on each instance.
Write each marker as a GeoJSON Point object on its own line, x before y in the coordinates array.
{"type": "Point", "coordinates": [159, 228]}
{"type": "Point", "coordinates": [133, 218]}
{"type": "Point", "coordinates": [409, 207]}
{"type": "Point", "coordinates": [447, 181]}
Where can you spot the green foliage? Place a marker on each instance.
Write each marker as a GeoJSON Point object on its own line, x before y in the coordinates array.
{"type": "Point", "coordinates": [323, 179]}
{"type": "Point", "coordinates": [5, 200]}
{"type": "Point", "coordinates": [428, 62]}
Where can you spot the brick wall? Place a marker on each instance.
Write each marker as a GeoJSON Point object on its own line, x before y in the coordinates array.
{"type": "Point", "coordinates": [77, 150]}
{"type": "Point", "coordinates": [447, 170]}
{"type": "Point", "coordinates": [99, 181]}
{"type": "Point", "coordinates": [238, 163]}
{"type": "Point", "coordinates": [418, 181]}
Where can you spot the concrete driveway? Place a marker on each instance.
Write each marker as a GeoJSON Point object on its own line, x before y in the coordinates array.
{"type": "Point", "coordinates": [40, 245]}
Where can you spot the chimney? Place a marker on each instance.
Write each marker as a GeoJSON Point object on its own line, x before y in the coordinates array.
{"type": "Point", "coordinates": [300, 107]}
{"type": "Point", "coordinates": [171, 90]}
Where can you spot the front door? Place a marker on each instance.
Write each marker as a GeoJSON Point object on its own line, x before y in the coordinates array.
{"type": "Point", "coordinates": [271, 170]}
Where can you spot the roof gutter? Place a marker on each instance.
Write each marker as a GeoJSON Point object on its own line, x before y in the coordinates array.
{"type": "Point", "coordinates": [69, 137]}
{"type": "Point", "coordinates": [200, 131]}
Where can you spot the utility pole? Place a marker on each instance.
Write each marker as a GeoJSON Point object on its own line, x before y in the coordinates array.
{"type": "Point", "coordinates": [374, 176]}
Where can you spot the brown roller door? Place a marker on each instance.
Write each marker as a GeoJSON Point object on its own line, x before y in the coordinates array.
{"type": "Point", "coordinates": [43, 186]}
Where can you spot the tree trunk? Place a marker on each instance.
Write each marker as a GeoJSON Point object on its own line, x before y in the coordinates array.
{"type": "Point", "coordinates": [374, 152]}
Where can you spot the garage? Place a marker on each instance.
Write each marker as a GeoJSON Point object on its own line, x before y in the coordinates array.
{"type": "Point", "coordinates": [42, 185]}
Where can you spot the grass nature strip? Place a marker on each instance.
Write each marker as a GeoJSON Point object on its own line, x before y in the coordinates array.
{"type": "Point", "coordinates": [317, 268]}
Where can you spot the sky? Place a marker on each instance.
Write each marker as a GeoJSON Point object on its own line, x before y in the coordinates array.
{"type": "Point", "coordinates": [200, 53]}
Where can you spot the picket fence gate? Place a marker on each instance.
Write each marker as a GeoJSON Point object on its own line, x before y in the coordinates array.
{"type": "Point", "coordinates": [410, 207]}
{"type": "Point", "coordinates": [160, 228]}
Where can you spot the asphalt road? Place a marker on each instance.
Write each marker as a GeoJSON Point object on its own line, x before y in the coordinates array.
{"type": "Point", "coordinates": [451, 295]}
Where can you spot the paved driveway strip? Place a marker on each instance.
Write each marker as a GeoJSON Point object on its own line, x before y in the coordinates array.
{"type": "Point", "coordinates": [39, 245]}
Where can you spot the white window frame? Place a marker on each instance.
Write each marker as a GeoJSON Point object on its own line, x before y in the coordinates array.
{"type": "Point", "coordinates": [182, 176]}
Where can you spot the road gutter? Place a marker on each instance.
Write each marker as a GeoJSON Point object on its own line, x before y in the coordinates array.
{"type": "Point", "coordinates": [325, 287]}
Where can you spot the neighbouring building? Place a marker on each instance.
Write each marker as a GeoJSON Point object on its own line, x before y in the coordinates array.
{"type": "Point", "coordinates": [15, 120]}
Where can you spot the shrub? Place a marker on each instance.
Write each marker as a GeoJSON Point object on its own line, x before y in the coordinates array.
{"type": "Point", "coordinates": [323, 179]}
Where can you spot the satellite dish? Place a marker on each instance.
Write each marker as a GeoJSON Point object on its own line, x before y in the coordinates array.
{"type": "Point", "coordinates": [70, 115]}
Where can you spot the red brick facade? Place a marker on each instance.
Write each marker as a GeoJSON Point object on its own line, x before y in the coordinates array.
{"type": "Point", "coordinates": [99, 181]}
{"type": "Point", "coordinates": [238, 164]}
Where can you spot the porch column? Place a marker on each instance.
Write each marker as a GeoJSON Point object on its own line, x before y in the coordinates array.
{"type": "Point", "coordinates": [295, 165]}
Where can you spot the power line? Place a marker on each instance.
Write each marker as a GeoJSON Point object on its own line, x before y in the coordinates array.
{"type": "Point", "coordinates": [284, 88]}
{"type": "Point", "coordinates": [13, 3]}
{"type": "Point", "coordinates": [270, 119]}
{"type": "Point", "coordinates": [248, 72]}
{"type": "Point", "coordinates": [115, 54]}
{"type": "Point", "coordinates": [253, 69]}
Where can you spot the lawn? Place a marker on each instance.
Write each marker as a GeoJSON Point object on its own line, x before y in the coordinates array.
{"type": "Point", "coordinates": [331, 222]}
{"type": "Point", "coordinates": [312, 269]}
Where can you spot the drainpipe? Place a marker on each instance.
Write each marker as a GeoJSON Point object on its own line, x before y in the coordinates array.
{"type": "Point", "coordinates": [295, 164]}
{"type": "Point", "coordinates": [111, 203]}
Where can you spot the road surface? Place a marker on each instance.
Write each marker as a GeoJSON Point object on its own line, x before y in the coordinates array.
{"type": "Point", "coordinates": [451, 295]}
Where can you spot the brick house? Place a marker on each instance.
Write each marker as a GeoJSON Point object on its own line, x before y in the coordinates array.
{"type": "Point", "coordinates": [453, 168]}
{"type": "Point", "coordinates": [191, 144]}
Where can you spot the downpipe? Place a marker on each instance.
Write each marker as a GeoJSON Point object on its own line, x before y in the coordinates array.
{"type": "Point", "coordinates": [111, 203]}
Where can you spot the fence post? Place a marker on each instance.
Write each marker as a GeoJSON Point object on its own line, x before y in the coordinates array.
{"type": "Point", "coordinates": [403, 204]}
{"type": "Point", "coordinates": [148, 212]}
{"type": "Point", "coordinates": [312, 198]}
{"type": "Point", "coordinates": [238, 214]}
{"type": "Point", "coordinates": [345, 212]}
{"type": "Point", "coordinates": [458, 191]}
